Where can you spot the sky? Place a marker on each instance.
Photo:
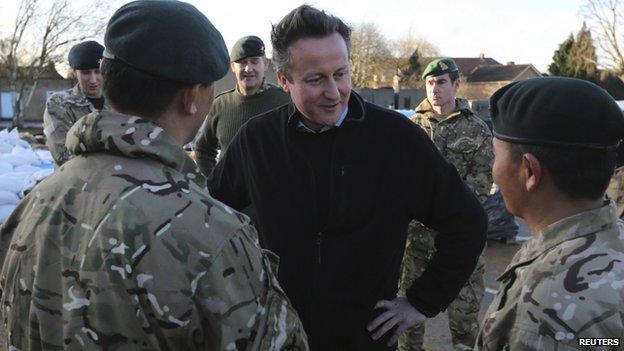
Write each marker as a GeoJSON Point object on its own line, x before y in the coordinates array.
{"type": "Point", "coordinates": [526, 31]}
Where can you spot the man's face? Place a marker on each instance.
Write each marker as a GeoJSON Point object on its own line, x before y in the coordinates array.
{"type": "Point", "coordinates": [506, 174]}
{"type": "Point", "coordinates": [249, 73]}
{"type": "Point", "coordinates": [440, 90]}
{"type": "Point", "coordinates": [320, 82]}
{"type": "Point", "coordinates": [90, 81]}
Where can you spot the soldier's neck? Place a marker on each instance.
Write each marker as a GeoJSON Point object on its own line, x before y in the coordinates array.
{"type": "Point", "coordinates": [248, 92]}
{"type": "Point", "coordinates": [445, 110]}
{"type": "Point", "coordinates": [551, 209]}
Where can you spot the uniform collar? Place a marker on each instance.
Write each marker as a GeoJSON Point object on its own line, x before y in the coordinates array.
{"type": "Point", "coordinates": [79, 98]}
{"type": "Point", "coordinates": [130, 136]}
{"type": "Point", "coordinates": [569, 228]}
{"type": "Point", "coordinates": [425, 109]}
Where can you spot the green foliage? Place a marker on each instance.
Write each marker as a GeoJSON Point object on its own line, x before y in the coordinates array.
{"type": "Point", "coordinates": [576, 57]}
{"type": "Point", "coordinates": [413, 67]}
{"type": "Point", "coordinates": [561, 65]}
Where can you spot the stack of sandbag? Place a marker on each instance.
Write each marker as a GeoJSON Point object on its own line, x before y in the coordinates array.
{"type": "Point", "coordinates": [21, 168]}
{"type": "Point", "coordinates": [406, 113]}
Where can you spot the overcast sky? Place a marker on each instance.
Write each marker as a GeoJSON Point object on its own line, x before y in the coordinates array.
{"type": "Point", "coordinates": [521, 31]}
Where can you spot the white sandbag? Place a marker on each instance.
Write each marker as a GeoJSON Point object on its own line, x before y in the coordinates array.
{"type": "Point", "coordinates": [5, 167]}
{"type": "Point", "coordinates": [23, 143]}
{"type": "Point", "coordinates": [14, 134]}
{"type": "Point", "coordinates": [39, 175]}
{"type": "Point", "coordinates": [45, 156]}
{"type": "Point", "coordinates": [5, 147]}
{"type": "Point", "coordinates": [16, 182]}
{"type": "Point", "coordinates": [5, 212]}
{"type": "Point", "coordinates": [19, 159]}
{"type": "Point", "coordinates": [26, 169]}
{"type": "Point", "coordinates": [8, 198]}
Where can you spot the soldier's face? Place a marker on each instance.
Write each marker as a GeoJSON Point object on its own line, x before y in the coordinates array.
{"type": "Point", "coordinates": [506, 173]}
{"type": "Point", "coordinates": [320, 82]}
{"type": "Point", "coordinates": [90, 81]}
{"type": "Point", "coordinates": [440, 90]}
{"type": "Point", "coordinates": [249, 73]}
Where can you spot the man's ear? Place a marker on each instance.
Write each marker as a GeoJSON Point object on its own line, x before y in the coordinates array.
{"type": "Point", "coordinates": [456, 84]}
{"type": "Point", "coordinates": [232, 67]}
{"type": "Point", "coordinates": [283, 81]}
{"type": "Point", "coordinates": [190, 97]}
{"type": "Point", "coordinates": [532, 172]}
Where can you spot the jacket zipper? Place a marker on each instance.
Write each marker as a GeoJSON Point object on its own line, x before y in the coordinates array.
{"type": "Point", "coordinates": [319, 246]}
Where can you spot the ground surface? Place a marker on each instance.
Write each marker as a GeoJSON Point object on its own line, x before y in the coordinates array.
{"type": "Point", "coordinates": [498, 255]}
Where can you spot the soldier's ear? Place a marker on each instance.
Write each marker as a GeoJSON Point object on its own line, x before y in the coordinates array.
{"type": "Point", "coordinates": [190, 99]}
{"type": "Point", "coordinates": [532, 172]}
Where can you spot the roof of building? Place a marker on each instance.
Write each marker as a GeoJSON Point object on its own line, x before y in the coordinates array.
{"type": "Point", "coordinates": [498, 73]}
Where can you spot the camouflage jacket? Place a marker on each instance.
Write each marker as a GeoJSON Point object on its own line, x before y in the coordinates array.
{"type": "Point", "coordinates": [122, 248]}
{"type": "Point", "coordinates": [63, 109]}
{"type": "Point", "coordinates": [567, 283]}
{"type": "Point", "coordinates": [465, 140]}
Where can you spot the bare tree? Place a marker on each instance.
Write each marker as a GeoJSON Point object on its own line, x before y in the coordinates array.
{"type": "Point", "coordinates": [406, 53]}
{"type": "Point", "coordinates": [405, 46]}
{"type": "Point", "coordinates": [369, 48]}
{"type": "Point", "coordinates": [604, 17]}
{"type": "Point", "coordinates": [40, 37]}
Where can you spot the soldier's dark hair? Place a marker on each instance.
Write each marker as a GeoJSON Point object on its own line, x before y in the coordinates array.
{"type": "Point", "coordinates": [454, 76]}
{"type": "Point", "coordinates": [131, 91]}
{"type": "Point", "coordinates": [580, 174]}
{"type": "Point", "coordinates": [303, 22]}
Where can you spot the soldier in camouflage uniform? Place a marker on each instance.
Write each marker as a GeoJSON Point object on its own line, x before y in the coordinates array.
{"type": "Point", "coordinates": [615, 191]}
{"type": "Point", "coordinates": [122, 248]}
{"type": "Point", "coordinates": [465, 141]}
{"type": "Point", "coordinates": [554, 141]}
{"type": "Point", "coordinates": [64, 108]}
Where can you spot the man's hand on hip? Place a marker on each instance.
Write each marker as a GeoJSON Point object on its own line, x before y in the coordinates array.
{"type": "Point", "coordinates": [400, 314]}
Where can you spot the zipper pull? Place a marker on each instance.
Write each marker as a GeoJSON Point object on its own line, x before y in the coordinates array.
{"type": "Point", "coordinates": [319, 244]}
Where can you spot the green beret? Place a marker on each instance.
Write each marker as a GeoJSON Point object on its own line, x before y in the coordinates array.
{"type": "Point", "coordinates": [556, 111]}
{"type": "Point", "coordinates": [168, 39]}
{"type": "Point", "coordinates": [249, 46]}
{"type": "Point", "coordinates": [439, 67]}
{"type": "Point", "coordinates": [86, 55]}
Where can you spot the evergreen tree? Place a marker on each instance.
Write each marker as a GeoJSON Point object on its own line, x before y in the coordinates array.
{"type": "Point", "coordinates": [576, 57]}
{"type": "Point", "coordinates": [413, 66]}
{"type": "Point", "coordinates": [583, 55]}
{"type": "Point", "coordinates": [561, 65]}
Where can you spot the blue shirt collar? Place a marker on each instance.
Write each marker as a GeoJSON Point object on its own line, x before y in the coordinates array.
{"type": "Point", "coordinates": [303, 128]}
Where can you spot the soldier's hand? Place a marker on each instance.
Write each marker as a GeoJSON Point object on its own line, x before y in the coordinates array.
{"type": "Point", "coordinates": [400, 314]}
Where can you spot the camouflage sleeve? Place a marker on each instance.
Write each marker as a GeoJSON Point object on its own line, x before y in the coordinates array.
{"type": "Point", "coordinates": [56, 124]}
{"type": "Point", "coordinates": [207, 145]}
{"type": "Point", "coordinates": [217, 266]}
{"type": "Point", "coordinates": [242, 294]}
{"type": "Point", "coordinates": [479, 173]}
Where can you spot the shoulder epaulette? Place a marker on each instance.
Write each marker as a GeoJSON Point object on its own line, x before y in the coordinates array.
{"type": "Point", "coordinates": [225, 92]}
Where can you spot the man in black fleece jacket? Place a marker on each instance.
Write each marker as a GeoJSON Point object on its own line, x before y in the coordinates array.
{"type": "Point", "coordinates": [335, 181]}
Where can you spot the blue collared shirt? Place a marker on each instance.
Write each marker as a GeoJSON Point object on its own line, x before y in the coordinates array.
{"type": "Point", "coordinates": [303, 128]}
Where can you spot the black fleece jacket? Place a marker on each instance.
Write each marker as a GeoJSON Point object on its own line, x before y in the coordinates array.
{"type": "Point", "coordinates": [338, 218]}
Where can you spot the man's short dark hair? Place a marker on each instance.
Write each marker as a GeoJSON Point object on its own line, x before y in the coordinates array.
{"type": "Point", "coordinates": [454, 76]}
{"type": "Point", "coordinates": [303, 22]}
{"type": "Point", "coordinates": [580, 174]}
{"type": "Point", "coordinates": [131, 91]}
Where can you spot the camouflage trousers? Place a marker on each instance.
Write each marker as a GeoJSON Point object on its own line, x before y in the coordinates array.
{"type": "Point", "coordinates": [462, 312]}
{"type": "Point", "coordinates": [615, 191]}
